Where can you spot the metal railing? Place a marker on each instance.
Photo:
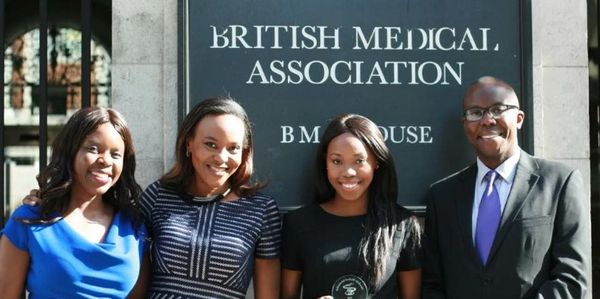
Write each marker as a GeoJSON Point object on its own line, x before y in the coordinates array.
{"type": "Point", "coordinates": [86, 30]}
{"type": "Point", "coordinates": [2, 175]}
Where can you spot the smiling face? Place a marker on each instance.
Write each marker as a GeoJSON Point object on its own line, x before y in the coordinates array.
{"type": "Point", "coordinates": [350, 168]}
{"type": "Point", "coordinates": [99, 162]}
{"type": "Point", "coordinates": [494, 139]}
{"type": "Point", "coordinates": [216, 152]}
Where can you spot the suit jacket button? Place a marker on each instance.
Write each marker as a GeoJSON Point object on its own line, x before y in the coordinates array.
{"type": "Point", "coordinates": [487, 281]}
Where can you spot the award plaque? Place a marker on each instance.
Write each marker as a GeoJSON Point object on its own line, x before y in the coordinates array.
{"type": "Point", "coordinates": [349, 287]}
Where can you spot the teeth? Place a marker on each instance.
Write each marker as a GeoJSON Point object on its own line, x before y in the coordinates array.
{"type": "Point", "coordinates": [218, 170]}
{"type": "Point", "coordinates": [101, 177]}
{"type": "Point", "coordinates": [100, 174]}
{"type": "Point", "coordinates": [491, 134]}
{"type": "Point", "coordinates": [349, 185]}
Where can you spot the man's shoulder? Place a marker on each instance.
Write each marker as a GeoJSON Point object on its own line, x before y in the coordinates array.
{"type": "Point", "coordinates": [545, 167]}
{"type": "Point", "coordinates": [454, 178]}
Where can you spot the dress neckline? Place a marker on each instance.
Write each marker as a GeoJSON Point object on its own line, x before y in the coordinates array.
{"type": "Point", "coordinates": [109, 238]}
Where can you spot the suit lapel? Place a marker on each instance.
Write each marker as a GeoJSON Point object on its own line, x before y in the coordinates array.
{"type": "Point", "coordinates": [525, 178]}
{"type": "Point", "coordinates": [464, 205]}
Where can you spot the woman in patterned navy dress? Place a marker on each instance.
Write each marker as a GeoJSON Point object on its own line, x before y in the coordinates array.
{"type": "Point", "coordinates": [212, 232]}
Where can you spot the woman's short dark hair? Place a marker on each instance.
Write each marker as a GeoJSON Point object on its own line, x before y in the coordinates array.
{"type": "Point", "coordinates": [181, 176]}
{"type": "Point", "coordinates": [56, 179]}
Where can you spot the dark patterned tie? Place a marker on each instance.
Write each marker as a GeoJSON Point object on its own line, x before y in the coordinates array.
{"type": "Point", "coordinates": [488, 218]}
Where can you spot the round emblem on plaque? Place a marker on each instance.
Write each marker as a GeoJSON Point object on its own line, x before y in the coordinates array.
{"type": "Point", "coordinates": [349, 287]}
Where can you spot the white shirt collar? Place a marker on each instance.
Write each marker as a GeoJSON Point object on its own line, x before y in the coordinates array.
{"type": "Point", "coordinates": [506, 170]}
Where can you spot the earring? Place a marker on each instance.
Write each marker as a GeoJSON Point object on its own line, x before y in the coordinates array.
{"type": "Point", "coordinates": [187, 153]}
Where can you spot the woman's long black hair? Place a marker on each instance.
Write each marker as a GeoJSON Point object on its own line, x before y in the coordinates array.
{"type": "Point", "coordinates": [382, 216]}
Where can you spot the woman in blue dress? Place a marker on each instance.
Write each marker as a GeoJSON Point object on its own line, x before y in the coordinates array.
{"type": "Point", "coordinates": [85, 239]}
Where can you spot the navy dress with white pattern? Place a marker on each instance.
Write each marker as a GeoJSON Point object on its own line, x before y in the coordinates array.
{"type": "Point", "coordinates": [207, 250]}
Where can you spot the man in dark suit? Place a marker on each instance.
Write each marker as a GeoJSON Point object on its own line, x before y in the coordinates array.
{"type": "Point", "coordinates": [510, 225]}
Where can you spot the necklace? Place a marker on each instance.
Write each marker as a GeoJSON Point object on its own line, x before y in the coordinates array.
{"type": "Point", "coordinates": [211, 198]}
